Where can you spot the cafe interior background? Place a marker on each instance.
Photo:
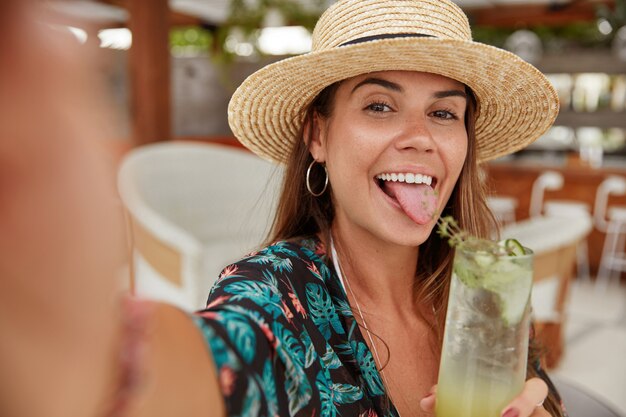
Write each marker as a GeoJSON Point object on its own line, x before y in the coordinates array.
{"type": "Point", "coordinates": [170, 68]}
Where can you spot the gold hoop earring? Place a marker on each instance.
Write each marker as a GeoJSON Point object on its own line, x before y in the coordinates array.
{"type": "Point", "coordinates": [308, 179]}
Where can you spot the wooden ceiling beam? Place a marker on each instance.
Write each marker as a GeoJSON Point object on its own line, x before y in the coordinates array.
{"type": "Point", "coordinates": [515, 16]}
{"type": "Point", "coordinates": [149, 61]}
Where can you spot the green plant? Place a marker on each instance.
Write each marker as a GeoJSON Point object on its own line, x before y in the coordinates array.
{"type": "Point", "coordinates": [191, 39]}
{"type": "Point", "coordinates": [248, 17]}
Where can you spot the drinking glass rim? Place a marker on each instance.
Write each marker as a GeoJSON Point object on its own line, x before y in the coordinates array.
{"type": "Point", "coordinates": [528, 253]}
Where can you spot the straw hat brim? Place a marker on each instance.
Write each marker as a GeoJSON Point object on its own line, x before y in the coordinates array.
{"type": "Point", "coordinates": [517, 104]}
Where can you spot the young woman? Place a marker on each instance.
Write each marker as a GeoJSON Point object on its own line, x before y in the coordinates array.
{"type": "Point", "coordinates": [381, 127]}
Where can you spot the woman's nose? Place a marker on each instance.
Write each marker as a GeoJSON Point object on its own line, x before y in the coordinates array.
{"type": "Point", "coordinates": [415, 134]}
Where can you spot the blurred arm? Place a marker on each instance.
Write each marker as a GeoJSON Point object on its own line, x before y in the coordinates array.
{"type": "Point", "coordinates": [62, 247]}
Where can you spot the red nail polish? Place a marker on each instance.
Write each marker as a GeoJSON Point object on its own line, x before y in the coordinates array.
{"type": "Point", "coordinates": [511, 412]}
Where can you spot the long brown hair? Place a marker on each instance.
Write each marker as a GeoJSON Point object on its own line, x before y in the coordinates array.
{"type": "Point", "coordinates": [299, 214]}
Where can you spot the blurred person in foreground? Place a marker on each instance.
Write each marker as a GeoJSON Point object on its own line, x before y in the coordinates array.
{"type": "Point", "coordinates": [59, 230]}
{"type": "Point", "coordinates": [392, 87]}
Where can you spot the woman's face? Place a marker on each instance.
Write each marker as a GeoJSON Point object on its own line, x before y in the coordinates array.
{"type": "Point", "coordinates": [394, 146]}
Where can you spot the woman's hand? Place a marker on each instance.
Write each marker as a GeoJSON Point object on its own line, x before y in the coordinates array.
{"type": "Point", "coordinates": [530, 401]}
{"type": "Point", "coordinates": [527, 404]}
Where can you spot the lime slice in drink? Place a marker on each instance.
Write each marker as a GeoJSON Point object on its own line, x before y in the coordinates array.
{"type": "Point", "coordinates": [512, 247]}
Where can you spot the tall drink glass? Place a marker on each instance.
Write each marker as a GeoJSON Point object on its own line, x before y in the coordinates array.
{"type": "Point", "coordinates": [485, 345]}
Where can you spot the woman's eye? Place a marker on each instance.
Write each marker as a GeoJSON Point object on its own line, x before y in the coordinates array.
{"type": "Point", "coordinates": [444, 114]}
{"type": "Point", "coordinates": [378, 107]}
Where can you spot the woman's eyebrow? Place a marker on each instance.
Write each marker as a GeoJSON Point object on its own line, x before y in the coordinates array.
{"type": "Point", "coordinates": [450, 93]}
{"type": "Point", "coordinates": [397, 87]}
{"type": "Point", "coordinates": [379, 81]}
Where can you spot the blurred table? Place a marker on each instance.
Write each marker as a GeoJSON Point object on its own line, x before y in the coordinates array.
{"type": "Point", "coordinates": [554, 241]}
{"type": "Point", "coordinates": [514, 178]}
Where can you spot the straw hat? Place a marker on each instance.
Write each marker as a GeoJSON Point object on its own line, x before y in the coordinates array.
{"type": "Point", "coordinates": [517, 104]}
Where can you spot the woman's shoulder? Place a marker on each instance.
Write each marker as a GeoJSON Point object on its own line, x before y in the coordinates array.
{"type": "Point", "coordinates": [309, 247]}
{"type": "Point", "coordinates": [281, 256]}
{"type": "Point", "coordinates": [283, 266]}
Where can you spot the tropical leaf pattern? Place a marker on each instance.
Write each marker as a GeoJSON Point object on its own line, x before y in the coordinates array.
{"type": "Point", "coordinates": [241, 334]}
{"type": "Point", "coordinates": [310, 355]}
{"type": "Point", "coordinates": [284, 340]}
{"type": "Point", "coordinates": [322, 310]}
{"type": "Point", "coordinates": [268, 382]}
{"type": "Point", "coordinates": [328, 406]}
{"type": "Point", "coordinates": [368, 368]}
{"type": "Point", "coordinates": [330, 359]}
{"type": "Point", "coordinates": [277, 325]}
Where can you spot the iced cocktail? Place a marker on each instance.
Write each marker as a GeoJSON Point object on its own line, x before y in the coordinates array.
{"type": "Point", "coordinates": [485, 345]}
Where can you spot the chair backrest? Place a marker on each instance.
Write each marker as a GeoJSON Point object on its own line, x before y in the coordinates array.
{"type": "Point", "coordinates": [612, 185]}
{"type": "Point", "coordinates": [566, 208]}
{"type": "Point", "coordinates": [548, 180]}
{"type": "Point", "coordinates": [194, 209]}
{"type": "Point", "coordinates": [503, 208]}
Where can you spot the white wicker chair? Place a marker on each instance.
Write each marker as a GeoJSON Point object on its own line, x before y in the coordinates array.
{"type": "Point", "coordinates": [193, 209]}
{"type": "Point", "coordinates": [552, 180]}
{"type": "Point", "coordinates": [548, 180]}
{"type": "Point", "coordinates": [612, 221]}
{"type": "Point", "coordinates": [503, 208]}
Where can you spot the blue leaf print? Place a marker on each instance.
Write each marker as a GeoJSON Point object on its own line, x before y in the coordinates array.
{"type": "Point", "coordinates": [261, 259]}
{"type": "Point", "coordinates": [343, 307]}
{"type": "Point", "coordinates": [330, 359]}
{"type": "Point", "coordinates": [220, 352]}
{"type": "Point", "coordinates": [312, 267]}
{"type": "Point", "coordinates": [282, 265]}
{"type": "Point", "coordinates": [291, 353]}
{"type": "Point", "coordinates": [254, 316]}
{"type": "Point", "coordinates": [322, 310]}
{"type": "Point", "coordinates": [368, 368]}
{"type": "Point", "coordinates": [242, 335]}
{"type": "Point", "coordinates": [329, 409]}
{"type": "Point", "coordinates": [353, 327]}
{"type": "Point", "coordinates": [332, 394]}
{"type": "Point", "coordinates": [346, 393]}
{"type": "Point", "coordinates": [282, 248]}
{"type": "Point", "coordinates": [344, 349]}
{"type": "Point", "coordinates": [317, 267]}
{"type": "Point", "coordinates": [269, 387]}
{"type": "Point", "coordinates": [227, 274]}
{"type": "Point", "coordinates": [252, 401]}
{"type": "Point", "coordinates": [258, 292]}
{"type": "Point", "coordinates": [279, 264]}
{"type": "Point", "coordinates": [272, 283]}
{"type": "Point", "coordinates": [310, 354]}
{"type": "Point", "coordinates": [325, 271]}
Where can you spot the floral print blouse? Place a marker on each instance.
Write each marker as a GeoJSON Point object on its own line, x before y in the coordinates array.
{"type": "Point", "coordinates": [284, 340]}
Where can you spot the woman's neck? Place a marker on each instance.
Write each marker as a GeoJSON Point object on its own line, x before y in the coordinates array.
{"type": "Point", "coordinates": [382, 274]}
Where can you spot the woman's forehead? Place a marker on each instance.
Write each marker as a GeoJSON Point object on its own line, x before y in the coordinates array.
{"type": "Point", "coordinates": [407, 77]}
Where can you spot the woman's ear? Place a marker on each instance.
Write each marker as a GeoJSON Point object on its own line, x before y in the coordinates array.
{"type": "Point", "coordinates": [315, 128]}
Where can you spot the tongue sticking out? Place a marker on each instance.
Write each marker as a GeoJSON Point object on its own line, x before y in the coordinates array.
{"type": "Point", "coordinates": [417, 200]}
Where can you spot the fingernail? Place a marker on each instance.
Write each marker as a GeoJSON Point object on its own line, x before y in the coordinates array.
{"type": "Point", "coordinates": [511, 412]}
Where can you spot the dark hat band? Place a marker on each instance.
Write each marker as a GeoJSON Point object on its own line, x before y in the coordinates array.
{"type": "Point", "coordinates": [385, 36]}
